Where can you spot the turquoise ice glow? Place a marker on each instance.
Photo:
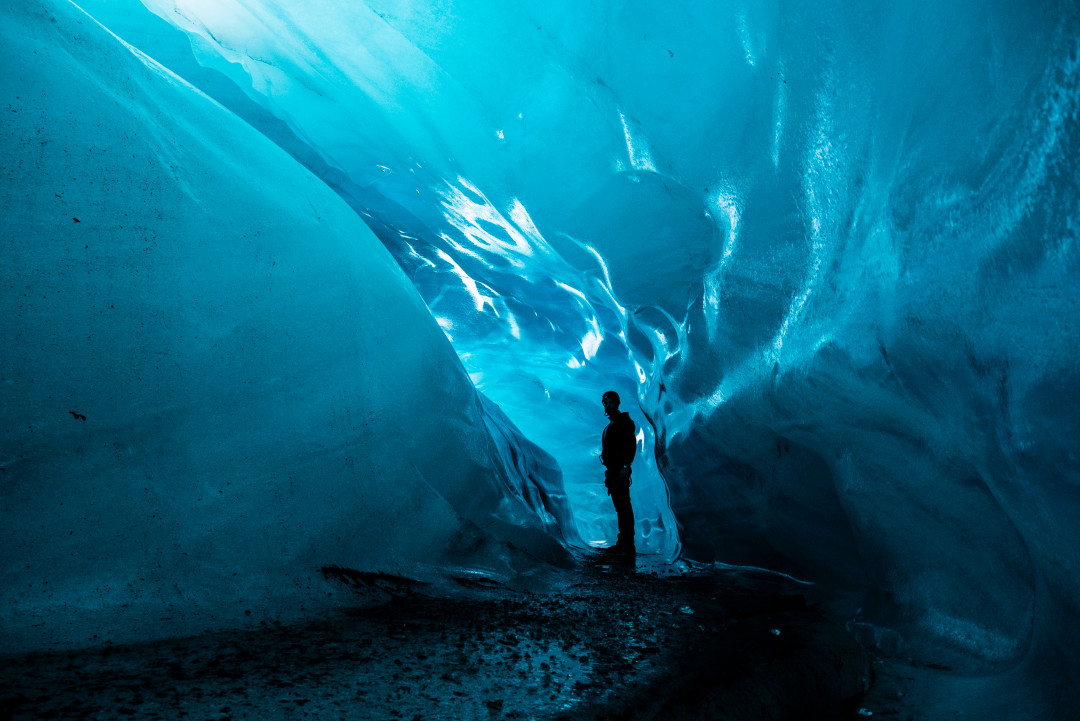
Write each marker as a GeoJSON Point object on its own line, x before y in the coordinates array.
{"type": "Point", "coordinates": [826, 252]}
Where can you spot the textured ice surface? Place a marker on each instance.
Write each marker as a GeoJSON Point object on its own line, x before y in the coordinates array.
{"type": "Point", "coordinates": [538, 329]}
{"type": "Point", "coordinates": [832, 246]}
{"type": "Point", "coordinates": [215, 378]}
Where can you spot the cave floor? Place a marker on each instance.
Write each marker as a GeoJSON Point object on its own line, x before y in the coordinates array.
{"type": "Point", "coordinates": [613, 640]}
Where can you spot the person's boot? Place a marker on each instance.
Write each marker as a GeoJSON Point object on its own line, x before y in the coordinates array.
{"type": "Point", "coordinates": [624, 547]}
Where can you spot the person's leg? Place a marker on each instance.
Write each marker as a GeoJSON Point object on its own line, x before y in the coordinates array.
{"type": "Point", "coordinates": [620, 496]}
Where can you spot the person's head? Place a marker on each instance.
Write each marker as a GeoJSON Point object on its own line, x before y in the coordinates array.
{"type": "Point", "coordinates": [611, 403]}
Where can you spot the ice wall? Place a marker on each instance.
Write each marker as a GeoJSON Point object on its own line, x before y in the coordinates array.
{"type": "Point", "coordinates": [836, 241]}
{"type": "Point", "coordinates": [540, 336]}
{"type": "Point", "coordinates": [831, 245]}
{"type": "Point", "coordinates": [215, 379]}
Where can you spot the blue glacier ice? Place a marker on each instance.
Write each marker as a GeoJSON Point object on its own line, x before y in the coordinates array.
{"type": "Point", "coordinates": [215, 379]}
{"type": "Point", "coordinates": [830, 248]}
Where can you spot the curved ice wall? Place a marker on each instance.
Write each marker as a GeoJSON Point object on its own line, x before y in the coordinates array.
{"type": "Point", "coordinates": [836, 241]}
{"type": "Point", "coordinates": [533, 318]}
{"type": "Point", "coordinates": [831, 245]}
{"type": "Point", "coordinates": [215, 379]}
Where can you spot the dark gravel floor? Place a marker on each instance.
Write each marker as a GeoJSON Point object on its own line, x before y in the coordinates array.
{"type": "Point", "coordinates": [611, 641]}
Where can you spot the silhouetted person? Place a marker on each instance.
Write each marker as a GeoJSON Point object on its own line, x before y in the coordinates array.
{"type": "Point", "coordinates": [618, 449]}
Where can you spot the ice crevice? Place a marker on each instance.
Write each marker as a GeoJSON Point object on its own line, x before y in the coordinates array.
{"type": "Point", "coordinates": [343, 284]}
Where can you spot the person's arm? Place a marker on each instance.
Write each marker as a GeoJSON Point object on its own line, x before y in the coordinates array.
{"type": "Point", "coordinates": [629, 449]}
{"type": "Point", "coordinates": [631, 441]}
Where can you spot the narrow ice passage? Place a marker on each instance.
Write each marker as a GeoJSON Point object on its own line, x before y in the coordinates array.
{"type": "Point", "coordinates": [829, 249]}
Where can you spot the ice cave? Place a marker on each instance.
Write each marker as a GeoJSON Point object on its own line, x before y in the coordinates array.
{"type": "Point", "coordinates": [291, 285]}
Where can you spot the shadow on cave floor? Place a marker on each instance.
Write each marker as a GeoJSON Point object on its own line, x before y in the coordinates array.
{"type": "Point", "coordinates": [609, 642]}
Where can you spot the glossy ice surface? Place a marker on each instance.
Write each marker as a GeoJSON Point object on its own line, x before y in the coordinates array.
{"type": "Point", "coordinates": [826, 252]}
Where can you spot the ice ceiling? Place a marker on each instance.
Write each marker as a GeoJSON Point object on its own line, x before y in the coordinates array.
{"type": "Point", "coordinates": [830, 250]}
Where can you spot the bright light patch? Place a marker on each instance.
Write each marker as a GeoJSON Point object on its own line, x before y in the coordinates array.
{"type": "Point", "coordinates": [591, 342]}
{"type": "Point", "coordinates": [715, 400]}
{"type": "Point", "coordinates": [227, 19]}
{"type": "Point", "coordinates": [471, 252]}
{"type": "Point", "coordinates": [571, 290]}
{"type": "Point", "coordinates": [607, 277]}
{"type": "Point", "coordinates": [636, 149]}
{"type": "Point", "coordinates": [711, 302]}
{"type": "Point", "coordinates": [447, 325]}
{"type": "Point", "coordinates": [727, 203]}
{"type": "Point", "coordinates": [820, 172]}
{"type": "Point", "coordinates": [474, 216]}
{"type": "Point", "coordinates": [524, 222]}
{"type": "Point", "coordinates": [779, 113]}
{"type": "Point", "coordinates": [479, 299]}
{"type": "Point", "coordinates": [971, 635]}
{"type": "Point", "coordinates": [744, 36]}
{"type": "Point", "coordinates": [660, 337]}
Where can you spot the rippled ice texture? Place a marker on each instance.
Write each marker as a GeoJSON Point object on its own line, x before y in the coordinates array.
{"type": "Point", "coordinates": [830, 247]}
